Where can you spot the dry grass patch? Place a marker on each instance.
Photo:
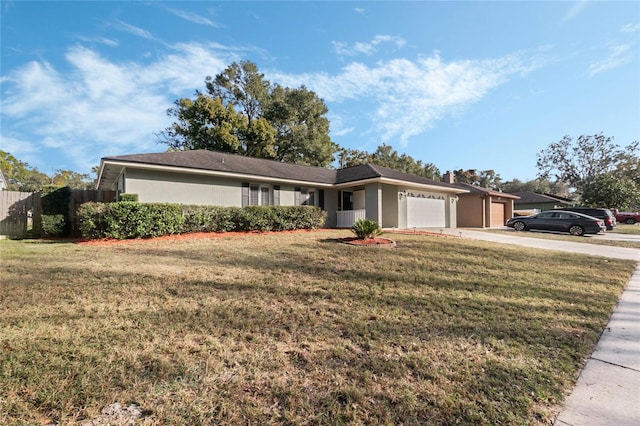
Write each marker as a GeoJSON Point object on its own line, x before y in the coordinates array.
{"type": "Point", "coordinates": [297, 329]}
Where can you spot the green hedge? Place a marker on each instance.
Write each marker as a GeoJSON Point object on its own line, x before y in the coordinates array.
{"type": "Point", "coordinates": [127, 219]}
{"type": "Point", "coordinates": [55, 210]}
{"type": "Point", "coordinates": [54, 225]}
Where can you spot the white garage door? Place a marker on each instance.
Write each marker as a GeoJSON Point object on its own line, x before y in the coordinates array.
{"type": "Point", "coordinates": [425, 213]}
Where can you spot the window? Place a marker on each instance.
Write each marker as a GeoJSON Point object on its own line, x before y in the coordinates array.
{"type": "Point", "coordinates": [276, 195]}
{"type": "Point", "coordinates": [304, 197]}
{"type": "Point", "coordinates": [264, 196]}
{"type": "Point", "coordinates": [256, 195]}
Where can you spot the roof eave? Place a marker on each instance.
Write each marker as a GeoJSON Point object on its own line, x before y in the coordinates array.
{"type": "Point", "coordinates": [178, 169]}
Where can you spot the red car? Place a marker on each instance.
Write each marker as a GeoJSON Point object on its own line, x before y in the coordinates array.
{"type": "Point", "coordinates": [628, 217]}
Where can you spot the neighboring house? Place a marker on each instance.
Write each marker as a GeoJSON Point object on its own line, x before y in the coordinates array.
{"type": "Point", "coordinates": [394, 199]}
{"type": "Point", "coordinates": [3, 181]}
{"type": "Point", "coordinates": [482, 207]}
{"type": "Point", "coordinates": [534, 201]}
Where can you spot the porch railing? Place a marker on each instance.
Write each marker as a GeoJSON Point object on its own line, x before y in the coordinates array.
{"type": "Point", "coordinates": [346, 218]}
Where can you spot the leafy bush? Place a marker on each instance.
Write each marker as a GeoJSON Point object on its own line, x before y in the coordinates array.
{"type": "Point", "coordinates": [128, 197]}
{"type": "Point", "coordinates": [127, 219]}
{"type": "Point", "coordinates": [55, 210]}
{"type": "Point", "coordinates": [91, 217]}
{"type": "Point", "coordinates": [366, 228]}
{"type": "Point", "coordinates": [54, 225]}
{"type": "Point", "coordinates": [209, 219]}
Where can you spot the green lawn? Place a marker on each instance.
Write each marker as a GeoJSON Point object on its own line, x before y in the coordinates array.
{"type": "Point", "coordinates": [297, 329]}
{"type": "Point", "coordinates": [628, 229]}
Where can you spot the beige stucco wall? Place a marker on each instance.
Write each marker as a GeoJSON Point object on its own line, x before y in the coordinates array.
{"type": "Point", "coordinates": [389, 206]}
{"type": "Point", "coordinates": [331, 197]}
{"type": "Point", "coordinates": [452, 211]}
{"type": "Point", "coordinates": [163, 187]}
{"type": "Point", "coordinates": [373, 201]}
{"type": "Point", "coordinates": [471, 211]}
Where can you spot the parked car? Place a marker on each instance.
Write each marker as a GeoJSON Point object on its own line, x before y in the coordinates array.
{"type": "Point", "coordinates": [604, 214]}
{"type": "Point", "coordinates": [628, 217]}
{"type": "Point", "coordinates": [559, 221]}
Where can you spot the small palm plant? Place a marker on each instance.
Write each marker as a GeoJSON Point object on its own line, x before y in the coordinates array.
{"type": "Point", "coordinates": [366, 228]}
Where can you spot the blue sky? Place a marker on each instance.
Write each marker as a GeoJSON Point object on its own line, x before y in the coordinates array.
{"type": "Point", "coordinates": [482, 85]}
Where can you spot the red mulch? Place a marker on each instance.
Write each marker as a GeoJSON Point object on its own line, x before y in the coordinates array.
{"type": "Point", "coordinates": [368, 241]}
{"type": "Point", "coordinates": [191, 236]}
{"type": "Point", "coordinates": [200, 235]}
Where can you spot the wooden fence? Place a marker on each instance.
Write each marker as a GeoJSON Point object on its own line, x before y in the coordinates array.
{"type": "Point", "coordinates": [21, 211]}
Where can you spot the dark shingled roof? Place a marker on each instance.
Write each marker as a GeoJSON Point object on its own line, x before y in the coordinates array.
{"type": "Point", "coordinates": [479, 190]}
{"type": "Point", "coordinates": [224, 162]}
{"type": "Point", "coordinates": [371, 171]}
{"type": "Point", "coordinates": [230, 163]}
{"type": "Point", "coordinates": [528, 197]}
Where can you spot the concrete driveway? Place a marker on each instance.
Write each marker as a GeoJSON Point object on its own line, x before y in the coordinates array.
{"type": "Point", "coordinates": [521, 239]}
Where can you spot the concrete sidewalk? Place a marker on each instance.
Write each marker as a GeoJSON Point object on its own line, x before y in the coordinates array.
{"type": "Point", "coordinates": [608, 388]}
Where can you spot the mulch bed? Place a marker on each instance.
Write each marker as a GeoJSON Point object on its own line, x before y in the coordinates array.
{"type": "Point", "coordinates": [377, 242]}
{"type": "Point", "coordinates": [369, 242]}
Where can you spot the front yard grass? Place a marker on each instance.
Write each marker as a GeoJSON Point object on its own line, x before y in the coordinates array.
{"type": "Point", "coordinates": [297, 329]}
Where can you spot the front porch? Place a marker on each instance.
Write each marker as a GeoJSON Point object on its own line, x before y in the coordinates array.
{"type": "Point", "coordinates": [346, 218]}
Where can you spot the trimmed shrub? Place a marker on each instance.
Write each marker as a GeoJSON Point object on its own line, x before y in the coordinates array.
{"type": "Point", "coordinates": [91, 217]}
{"type": "Point", "coordinates": [55, 210]}
{"type": "Point", "coordinates": [208, 219]}
{"type": "Point", "coordinates": [128, 197]}
{"type": "Point", "coordinates": [127, 219]}
{"type": "Point", "coordinates": [54, 225]}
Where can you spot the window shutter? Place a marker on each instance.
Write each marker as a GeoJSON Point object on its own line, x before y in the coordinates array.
{"type": "Point", "coordinates": [296, 196]}
{"type": "Point", "coordinates": [276, 195]}
{"type": "Point", "coordinates": [245, 194]}
{"type": "Point", "coordinates": [321, 198]}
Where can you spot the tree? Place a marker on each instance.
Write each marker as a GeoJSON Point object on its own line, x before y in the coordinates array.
{"type": "Point", "coordinates": [386, 156]}
{"type": "Point", "coordinates": [483, 178]}
{"type": "Point", "coordinates": [243, 113]}
{"type": "Point", "coordinates": [73, 180]}
{"type": "Point", "coordinates": [579, 163]}
{"type": "Point", "coordinates": [20, 176]}
{"type": "Point", "coordinates": [302, 129]}
{"type": "Point", "coordinates": [541, 186]}
{"type": "Point", "coordinates": [607, 190]}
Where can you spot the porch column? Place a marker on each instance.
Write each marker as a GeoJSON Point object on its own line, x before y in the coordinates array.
{"type": "Point", "coordinates": [373, 202]}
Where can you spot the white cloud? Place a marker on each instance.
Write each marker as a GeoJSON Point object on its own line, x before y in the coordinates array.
{"type": "Point", "coordinates": [131, 29]}
{"type": "Point", "coordinates": [410, 96]}
{"type": "Point", "coordinates": [368, 48]}
{"type": "Point", "coordinates": [575, 9]}
{"type": "Point", "coordinates": [618, 55]}
{"type": "Point", "coordinates": [101, 40]}
{"type": "Point", "coordinates": [359, 10]}
{"type": "Point", "coordinates": [100, 107]}
{"type": "Point", "coordinates": [193, 17]}
{"type": "Point", "coordinates": [630, 28]}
